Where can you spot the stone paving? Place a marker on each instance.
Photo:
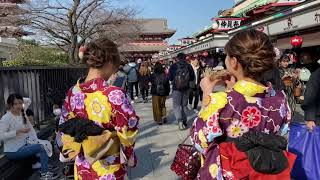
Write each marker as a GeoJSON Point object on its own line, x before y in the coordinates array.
{"type": "Point", "coordinates": [156, 145]}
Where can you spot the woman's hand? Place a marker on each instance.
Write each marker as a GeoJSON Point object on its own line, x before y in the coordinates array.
{"type": "Point", "coordinates": [207, 85]}
{"type": "Point", "coordinates": [310, 125]}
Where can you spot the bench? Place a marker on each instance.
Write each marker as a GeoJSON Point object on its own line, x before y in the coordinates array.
{"type": "Point", "coordinates": [12, 170]}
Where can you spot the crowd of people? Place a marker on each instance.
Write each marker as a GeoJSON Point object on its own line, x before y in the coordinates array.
{"type": "Point", "coordinates": [239, 133]}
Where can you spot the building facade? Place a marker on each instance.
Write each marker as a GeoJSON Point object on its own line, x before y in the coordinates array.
{"type": "Point", "coordinates": [152, 39]}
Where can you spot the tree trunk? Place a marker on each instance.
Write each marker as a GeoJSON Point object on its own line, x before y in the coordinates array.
{"type": "Point", "coordinates": [76, 54]}
{"type": "Point", "coordinates": [71, 57]}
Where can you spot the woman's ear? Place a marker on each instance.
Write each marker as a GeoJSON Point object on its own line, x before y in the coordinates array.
{"type": "Point", "coordinates": [234, 63]}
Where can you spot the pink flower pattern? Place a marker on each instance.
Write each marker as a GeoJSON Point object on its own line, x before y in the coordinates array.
{"type": "Point", "coordinates": [251, 116]}
{"type": "Point", "coordinates": [237, 129]}
{"type": "Point", "coordinates": [116, 97]}
{"type": "Point", "coordinates": [77, 101]}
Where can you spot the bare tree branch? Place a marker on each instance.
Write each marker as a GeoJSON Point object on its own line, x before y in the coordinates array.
{"type": "Point", "coordinates": [68, 24]}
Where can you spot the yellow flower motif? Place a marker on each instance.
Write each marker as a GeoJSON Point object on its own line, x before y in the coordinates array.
{"type": "Point", "coordinates": [213, 169]}
{"type": "Point", "coordinates": [102, 169]}
{"type": "Point", "coordinates": [203, 139]}
{"type": "Point", "coordinates": [248, 88]}
{"type": "Point", "coordinates": [218, 101]}
{"type": "Point", "coordinates": [98, 107]}
{"type": "Point", "coordinates": [251, 100]}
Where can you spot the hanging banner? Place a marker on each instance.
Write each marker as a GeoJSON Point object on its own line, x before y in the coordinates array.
{"type": "Point", "coordinates": [295, 23]}
{"type": "Point", "coordinates": [225, 24]}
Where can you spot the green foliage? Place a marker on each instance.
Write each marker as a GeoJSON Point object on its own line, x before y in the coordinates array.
{"type": "Point", "coordinates": [31, 54]}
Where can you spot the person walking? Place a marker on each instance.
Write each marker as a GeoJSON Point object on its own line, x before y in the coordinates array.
{"type": "Point", "coordinates": [144, 79]}
{"type": "Point", "coordinates": [196, 93]}
{"type": "Point", "coordinates": [15, 129]}
{"type": "Point", "coordinates": [181, 74]}
{"type": "Point", "coordinates": [160, 89]}
{"type": "Point", "coordinates": [132, 71]}
{"type": "Point", "coordinates": [239, 134]}
{"type": "Point", "coordinates": [105, 112]}
{"type": "Point", "coordinates": [311, 103]}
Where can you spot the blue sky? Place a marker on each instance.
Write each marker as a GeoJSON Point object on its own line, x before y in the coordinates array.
{"type": "Point", "coordinates": [186, 16]}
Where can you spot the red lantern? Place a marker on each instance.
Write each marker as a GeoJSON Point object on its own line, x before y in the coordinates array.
{"type": "Point", "coordinates": [205, 54]}
{"type": "Point", "coordinates": [296, 41]}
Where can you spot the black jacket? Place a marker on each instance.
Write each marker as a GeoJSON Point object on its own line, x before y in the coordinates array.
{"type": "Point", "coordinates": [155, 79]}
{"type": "Point", "coordinates": [311, 104]}
{"type": "Point", "coordinates": [144, 81]}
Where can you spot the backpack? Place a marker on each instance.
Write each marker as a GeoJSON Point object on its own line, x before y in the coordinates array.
{"type": "Point", "coordinates": [160, 85]}
{"type": "Point", "coordinates": [305, 74]}
{"type": "Point", "coordinates": [182, 76]}
{"type": "Point", "coordinates": [133, 74]}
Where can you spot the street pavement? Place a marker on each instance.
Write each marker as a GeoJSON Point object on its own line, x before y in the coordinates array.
{"type": "Point", "coordinates": [156, 145]}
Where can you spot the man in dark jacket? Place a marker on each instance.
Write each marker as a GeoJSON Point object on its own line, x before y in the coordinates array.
{"type": "Point", "coordinates": [311, 104]}
{"type": "Point", "coordinates": [181, 95]}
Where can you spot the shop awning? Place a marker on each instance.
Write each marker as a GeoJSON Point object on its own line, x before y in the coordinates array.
{"type": "Point", "coordinates": [254, 5]}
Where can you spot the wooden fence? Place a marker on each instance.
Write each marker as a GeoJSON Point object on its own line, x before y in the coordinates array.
{"type": "Point", "coordinates": [45, 86]}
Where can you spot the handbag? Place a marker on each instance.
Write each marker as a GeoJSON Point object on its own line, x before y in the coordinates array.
{"type": "Point", "coordinates": [306, 145]}
{"type": "Point", "coordinates": [186, 163]}
{"type": "Point", "coordinates": [46, 144]}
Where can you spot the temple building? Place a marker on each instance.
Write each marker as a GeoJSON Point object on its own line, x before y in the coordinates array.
{"type": "Point", "coordinates": [152, 39]}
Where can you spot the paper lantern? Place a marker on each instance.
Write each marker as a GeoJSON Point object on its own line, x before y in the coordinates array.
{"type": "Point", "coordinates": [215, 25]}
{"type": "Point", "coordinates": [296, 41]}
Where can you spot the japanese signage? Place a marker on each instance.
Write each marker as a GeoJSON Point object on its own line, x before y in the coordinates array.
{"type": "Point", "coordinates": [226, 23]}
{"type": "Point", "coordinates": [302, 21]}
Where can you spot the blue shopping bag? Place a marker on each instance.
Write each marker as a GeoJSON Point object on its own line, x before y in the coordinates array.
{"type": "Point", "coordinates": [306, 145]}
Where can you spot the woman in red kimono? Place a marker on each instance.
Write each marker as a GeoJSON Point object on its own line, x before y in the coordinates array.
{"type": "Point", "coordinates": [239, 132]}
{"type": "Point", "coordinates": [105, 108]}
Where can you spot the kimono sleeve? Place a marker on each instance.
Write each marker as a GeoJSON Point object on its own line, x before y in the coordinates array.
{"type": "Point", "coordinates": [66, 112]}
{"type": "Point", "coordinates": [206, 126]}
{"type": "Point", "coordinates": [125, 120]}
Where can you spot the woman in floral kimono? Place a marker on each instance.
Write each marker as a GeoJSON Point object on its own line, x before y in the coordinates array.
{"type": "Point", "coordinates": [108, 108]}
{"type": "Point", "coordinates": [238, 132]}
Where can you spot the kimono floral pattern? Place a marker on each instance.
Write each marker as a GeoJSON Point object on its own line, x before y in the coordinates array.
{"type": "Point", "coordinates": [237, 129]}
{"type": "Point", "coordinates": [247, 107]}
{"type": "Point", "coordinates": [251, 116]}
{"type": "Point", "coordinates": [109, 108]}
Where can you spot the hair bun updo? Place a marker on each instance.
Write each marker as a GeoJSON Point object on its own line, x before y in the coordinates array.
{"type": "Point", "coordinates": [254, 51]}
{"type": "Point", "coordinates": [101, 51]}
